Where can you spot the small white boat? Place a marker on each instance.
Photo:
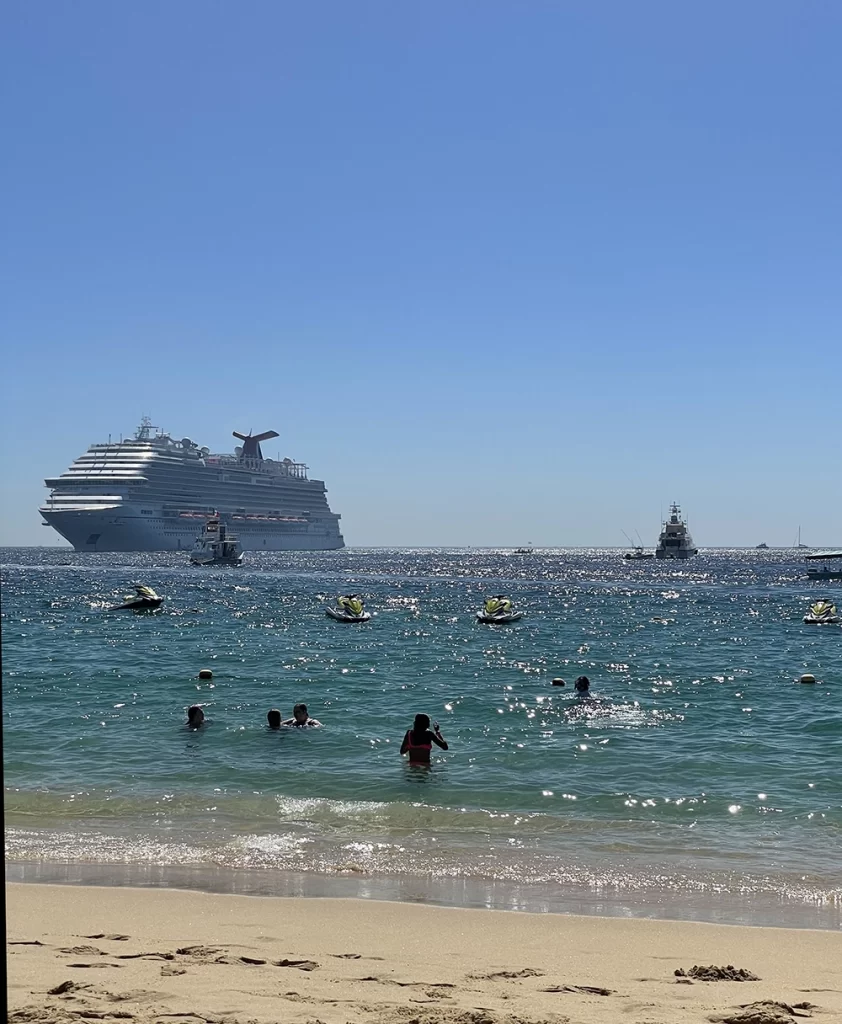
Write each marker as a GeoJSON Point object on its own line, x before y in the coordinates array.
{"type": "Point", "coordinates": [498, 611]}
{"type": "Point", "coordinates": [348, 608]}
{"type": "Point", "coordinates": [822, 613]}
{"type": "Point", "coordinates": [216, 545]}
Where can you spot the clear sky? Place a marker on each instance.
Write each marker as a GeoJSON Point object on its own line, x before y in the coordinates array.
{"type": "Point", "coordinates": [497, 271]}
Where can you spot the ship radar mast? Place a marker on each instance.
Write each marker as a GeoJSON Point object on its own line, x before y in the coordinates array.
{"type": "Point", "coordinates": [675, 512]}
{"type": "Point", "coordinates": [144, 431]}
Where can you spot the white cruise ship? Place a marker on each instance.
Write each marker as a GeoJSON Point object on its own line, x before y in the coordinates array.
{"type": "Point", "coordinates": [153, 493]}
{"type": "Point", "coordinates": [675, 540]}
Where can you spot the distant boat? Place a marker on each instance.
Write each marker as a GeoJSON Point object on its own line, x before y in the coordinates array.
{"type": "Point", "coordinates": [762, 547]}
{"type": "Point", "coordinates": [637, 553]}
{"type": "Point", "coordinates": [216, 546]}
{"type": "Point", "coordinates": [675, 540]}
{"type": "Point", "coordinates": [825, 572]}
{"type": "Point", "coordinates": [798, 544]}
{"type": "Point", "coordinates": [529, 550]}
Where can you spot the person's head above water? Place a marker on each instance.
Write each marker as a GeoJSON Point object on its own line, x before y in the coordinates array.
{"type": "Point", "coordinates": [273, 717]}
{"type": "Point", "coordinates": [421, 723]}
{"type": "Point", "coordinates": [301, 716]}
{"type": "Point", "coordinates": [195, 715]}
{"type": "Point", "coordinates": [582, 684]}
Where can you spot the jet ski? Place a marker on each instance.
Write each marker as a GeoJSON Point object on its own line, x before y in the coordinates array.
{"type": "Point", "coordinates": [348, 609]}
{"type": "Point", "coordinates": [822, 613]}
{"type": "Point", "coordinates": [145, 599]}
{"type": "Point", "coordinates": [498, 611]}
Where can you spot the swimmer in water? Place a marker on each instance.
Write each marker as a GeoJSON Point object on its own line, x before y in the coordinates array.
{"type": "Point", "coordinates": [583, 686]}
{"type": "Point", "coordinates": [273, 717]}
{"type": "Point", "coordinates": [195, 717]}
{"type": "Point", "coordinates": [300, 717]}
{"type": "Point", "coordinates": [418, 741]}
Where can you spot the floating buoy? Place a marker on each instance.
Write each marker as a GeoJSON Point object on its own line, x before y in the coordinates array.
{"type": "Point", "coordinates": [559, 682]}
{"type": "Point", "coordinates": [205, 673]}
{"type": "Point", "coordinates": [807, 678]}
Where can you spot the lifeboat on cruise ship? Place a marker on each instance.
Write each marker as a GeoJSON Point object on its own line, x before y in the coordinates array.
{"type": "Point", "coordinates": [822, 613]}
{"type": "Point", "coordinates": [348, 609]}
{"type": "Point", "coordinates": [498, 611]}
{"type": "Point", "coordinates": [144, 600]}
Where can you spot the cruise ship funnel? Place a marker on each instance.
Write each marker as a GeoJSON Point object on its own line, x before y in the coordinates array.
{"type": "Point", "coordinates": [251, 444]}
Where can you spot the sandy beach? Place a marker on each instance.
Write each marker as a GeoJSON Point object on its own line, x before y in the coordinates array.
{"type": "Point", "coordinates": [82, 953]}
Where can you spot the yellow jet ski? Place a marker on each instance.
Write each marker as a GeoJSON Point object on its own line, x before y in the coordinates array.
{"type": "Point", "coordinates": [822, 613]}
{"type": "Point", "coordinates": [144, 600]}
{"type": "Point", "coordinates": [348, 609]}
{"type": "Point", "coordinates": [498, 611]}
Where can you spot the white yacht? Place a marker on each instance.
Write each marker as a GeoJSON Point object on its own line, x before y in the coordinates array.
{"type": "Point", "coordinates": [675, 540]}
{"type": "Point", "coordinates": [151, 492]}
{"type": "Point", "coordinates": [215, 545]}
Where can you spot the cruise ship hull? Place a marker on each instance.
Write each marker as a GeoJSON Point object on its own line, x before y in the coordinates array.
{"type": "Point", "coordinates": [119, 531]}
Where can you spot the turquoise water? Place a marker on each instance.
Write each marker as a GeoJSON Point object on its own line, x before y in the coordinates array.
{"type": "Point", "coordinates": [698, 775]}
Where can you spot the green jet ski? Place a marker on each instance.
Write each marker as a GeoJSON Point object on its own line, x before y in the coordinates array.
{"type": "Point", "coordinates": [822, 613]}
{"type": "Point", "coordinates": [348, 609]}
{"type": "Point", "coordinates": [498, 611]}
{"type": "Point", "coordinates": [144, 600]}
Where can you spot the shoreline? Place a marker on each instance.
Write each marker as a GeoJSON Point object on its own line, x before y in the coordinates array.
{"type": "Point", "coordinates": [164, 954]}
{"type": "Point", "coordinates": [669, 904]}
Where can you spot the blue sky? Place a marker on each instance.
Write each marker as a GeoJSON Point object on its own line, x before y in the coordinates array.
{"type": "Point", "coordinates": [497, 272]}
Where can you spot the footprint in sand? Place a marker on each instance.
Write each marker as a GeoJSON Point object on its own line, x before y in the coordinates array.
{"type": "Point", "coordinates": [354, 956]}
{"type": "Point", "coordinates": [527, 972]}
{"type": "Point", "coordinates": [594, 990]}
{"type": "Point", "coordinates": [66, 986]}
{"type": "Point", "coordinates": [431, 986]}
{"type": "Point", "coordinates": [82, 951]}
{"type": "Point", "coordinates": [112, 938]}
{"type": "Point", "coordinates": [249, 960]}
{"type": "Point", "coordinates": [94, 965]}
{"type": "Point", "coordinates": [201, 952]}
{"type": "Point", "coordinates": [138, 995]}
{"type": "Point", "coordinates": [302, 965]}
{"type": "Point", "coordinates": [145, 956]}
{"type": "Point", "coordinates": [767, 1011]}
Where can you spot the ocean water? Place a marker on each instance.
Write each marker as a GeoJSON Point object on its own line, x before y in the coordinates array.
{"type": "Point", "coordinates": [699, 780]}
